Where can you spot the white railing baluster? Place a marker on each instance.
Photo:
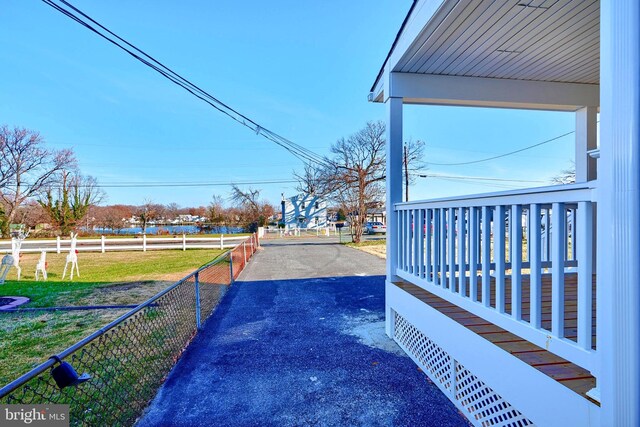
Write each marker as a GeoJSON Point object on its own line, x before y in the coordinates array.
{"type": "Point", "coordinates": [499, 256]}
{"type": "Point", "coordinates": [443, 248]}
{"type": "Point", "coordinates": [405, 227]}
{"type": "Point", "coordinates": [427, 246]}
{"type": "Point", "coordinates": [418, 246]}
{"type": "Point", "coordinates": [547, 240]}
{"type": "Point", "coordinates": [462, 252]}
{"type": "Point", "coordinates": [486, 255]}
{"type": "Point", "coordinates": [515, 238]}
{"type": "Point", "coordinates": [558, 255]}
{"type": "Point", "coordinates": [584, 228]}
{"type": "Point", "coordinates": [535, 277]}
{"type": "Point", "coordinates": [573, 218]}
{"type": "Point", "coordinates": [400, 238]}
{"type": "Point", "coordinates": [409, 241]}
{"type": "Point", "coordinates": [451, 240]}
{"type": "Point", "coordinates": [527, 215]}
{"type": "Point", "coordinates": [436, 246]}
{"type": "Point", "coordinates": [410, 236]}
{"type": "Point", "coordinates": [473, 253]}
{"type": "Point", "coordinates": [406, 236]}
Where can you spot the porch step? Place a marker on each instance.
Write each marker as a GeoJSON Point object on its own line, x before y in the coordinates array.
{"type": "Point", "coordinates": [564, 372]}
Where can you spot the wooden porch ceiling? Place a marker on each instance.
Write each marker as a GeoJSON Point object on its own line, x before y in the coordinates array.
{"type": "Point", "coordinates": [538, 40]}
{"type": "Point", "coordinates": [548, 40]}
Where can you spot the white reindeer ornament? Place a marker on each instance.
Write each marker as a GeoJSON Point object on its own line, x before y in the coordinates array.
{"type": "Point", "coordinates": [13, 259]}
{"type": "Point", "coordinates": [41, 267]}
{"type": "Point", "coordinates": [72, 258]}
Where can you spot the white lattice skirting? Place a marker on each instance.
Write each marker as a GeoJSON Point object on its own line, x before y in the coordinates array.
{"type": "Point", "coordinates": [478, 402]}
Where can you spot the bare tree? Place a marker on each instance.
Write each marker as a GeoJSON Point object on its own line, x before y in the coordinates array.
{"type": "Point", "coordinates": [112, 217]}
{"type": "Point", "coordinates": [27, 168]}
{"type": "Point", "coordinates": [356, 172]}
{"type": "Point", "coordinates": [146, 213]}
{"type": "Point", "coordinates": [310, 180]}
{"type": "Point", "coordinates": [253, 213]}
{"type": "Point", "coordinates": [566, 176]}
{"type": "Point", "coordinates": [413, 154]}
{"type": "Point", "coordinates": [67, 204]}
{"type": "Point", "coordinates": [216, 211]}
{"type": "Point", "coordinates": [31, 214]}
{"type": "Point", "coordinates": [172, 210]}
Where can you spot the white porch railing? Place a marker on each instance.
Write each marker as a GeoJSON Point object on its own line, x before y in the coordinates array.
{"type": "Point", "coordinates": [495, 254]}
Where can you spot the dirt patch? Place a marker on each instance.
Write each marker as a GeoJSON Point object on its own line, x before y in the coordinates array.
{"type": "Point", "coordinates": [125, 293]}
{"type": "Point", "coordinates": [377, 250]}
{"type": "Point", "coordinates": [124, 286]}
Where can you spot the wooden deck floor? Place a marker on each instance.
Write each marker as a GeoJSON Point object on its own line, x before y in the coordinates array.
{"type": "Point", "coordinates": [566, 373]}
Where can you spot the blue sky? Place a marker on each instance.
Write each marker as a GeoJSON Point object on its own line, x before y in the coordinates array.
{"type": "Point", "coordinates": [301, 69]}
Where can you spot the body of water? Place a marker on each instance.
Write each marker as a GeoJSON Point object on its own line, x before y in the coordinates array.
{"type": "Point", "coordinates": [171, 229]}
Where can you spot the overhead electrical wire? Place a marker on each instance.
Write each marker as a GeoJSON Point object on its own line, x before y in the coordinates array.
{"type": "Point", "coordinates": [142, 184]}
{"type": "Point", "coordinates": [483, 184]}
{"type": "Point", "coordinates": [475, 178]}
{"type": "Point", "coordinates": [504, 154]}
{"type": "Point", "coordinates": [72, 12]}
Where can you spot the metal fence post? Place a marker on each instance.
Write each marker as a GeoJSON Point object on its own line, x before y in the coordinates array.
{"type": "Point", "coordinates": [231, 268]}
{"type": "Point", "coordinates": [197, 290]}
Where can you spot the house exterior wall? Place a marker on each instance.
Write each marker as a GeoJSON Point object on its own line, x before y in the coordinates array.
{"type": "Point", "coordinates": [304, 211]}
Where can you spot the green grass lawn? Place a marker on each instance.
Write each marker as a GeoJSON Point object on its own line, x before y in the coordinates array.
{"type": "Point", "coordinates": [112, 278]}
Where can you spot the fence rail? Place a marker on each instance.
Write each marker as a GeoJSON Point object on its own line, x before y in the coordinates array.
{"type": "Point", "coordinates": [512, 259]}
{"type": "Point", "coordinates": [129, 358]}
{"type": "Point", "coordinates": [142, 243]}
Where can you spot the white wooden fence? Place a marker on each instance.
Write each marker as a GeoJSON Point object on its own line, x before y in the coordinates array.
{"type": "Point", "coordinates": [142, 243]}
{"type": "Point", "coordinates": [466, 250]}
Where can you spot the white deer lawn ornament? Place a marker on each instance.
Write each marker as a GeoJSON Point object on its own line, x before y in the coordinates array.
{"type": "Point", "coordinates": [13, 259]}
{"type": "Point", "coordinates": [72, 258]}
{"type": "Point", "coordinates": [41, 267]}
{"type": "Point", "coordinates": [7, 263]}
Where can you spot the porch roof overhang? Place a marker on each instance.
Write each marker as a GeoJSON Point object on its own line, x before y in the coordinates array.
{"type": "Point", "coordinates": [531, 54]}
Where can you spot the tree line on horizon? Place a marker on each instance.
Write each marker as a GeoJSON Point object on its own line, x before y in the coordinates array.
{"type": "Point", "coordinates": [44, 190]}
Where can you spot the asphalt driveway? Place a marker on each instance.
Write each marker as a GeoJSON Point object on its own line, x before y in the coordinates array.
{"type": "Point", "coordinates": [299, 341]}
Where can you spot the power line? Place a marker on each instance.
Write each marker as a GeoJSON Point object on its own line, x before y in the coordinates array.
{"type": "Point", "coordinates": [475, 178]}
{"type": "Point", "coordinates": [134, 184]}
{"type": "Point", "coordinates": [302, 153]}
{"type": "Point", "coordinates": [483, 184]}
{"type": "Point", "coordinates": [505, 154]}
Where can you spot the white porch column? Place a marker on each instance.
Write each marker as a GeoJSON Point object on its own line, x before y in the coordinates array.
{"type": "Point", "coordinates": [586, 139]}
{"type": "Point", "coordinates": [394, 194]}
{"type": "Point", "coordinates": [619, 214]}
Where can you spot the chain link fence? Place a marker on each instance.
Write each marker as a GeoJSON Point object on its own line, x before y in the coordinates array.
{"type": "Point", "coordinates": [129, 358]}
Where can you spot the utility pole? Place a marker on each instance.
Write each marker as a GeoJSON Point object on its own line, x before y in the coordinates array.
{"type": "Point", "coordinates": [406, 172]}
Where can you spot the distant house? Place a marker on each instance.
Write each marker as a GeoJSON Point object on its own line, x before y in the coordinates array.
{"type": "Point", "coordinates": [377, 214]}
{"type": "Point", "coordinates": [304, 211]}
